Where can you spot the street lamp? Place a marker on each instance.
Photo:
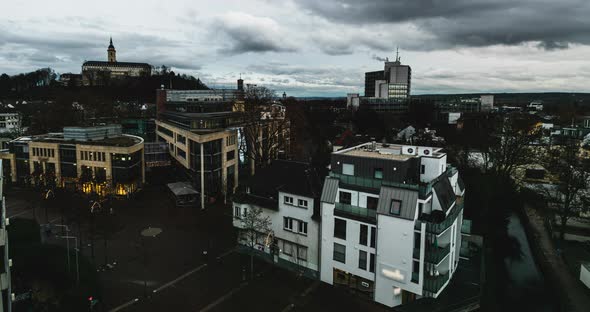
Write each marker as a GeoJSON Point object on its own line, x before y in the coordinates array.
{"type": "Point", "coordinates": [147, 233]}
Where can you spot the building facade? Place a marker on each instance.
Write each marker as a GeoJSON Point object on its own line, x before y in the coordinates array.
{"type": "Point", "coordinates": [10, 123]}
{"type": "Point", "coordinates": [98, 159]}
{"type": "Point", "coordinates": [5, 276]}
{"type": "Point", "coordinates": [391, 220]}
{"type": "Point", "coordinates": [100, 72]}
{"type": "Point", "coordinates": [200, 128]}
{"type": "Point", "coordinates": [292, 206]}
{"type": "Point", "coordinates": [388, 90]}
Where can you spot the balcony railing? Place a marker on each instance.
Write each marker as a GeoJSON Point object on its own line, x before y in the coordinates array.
{"type": "Point", "coordinates": [437, 228]}
{"type": "Point", "coordinates": [356, 211]}
{"type": "Point", "coordinates": [434, 283]}
{"type": "Point", "coordinates": [436, 254]}
{"type": "Point", "coordinates": [422, 188]}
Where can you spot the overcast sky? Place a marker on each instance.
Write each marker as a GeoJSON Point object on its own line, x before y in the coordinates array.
{"type": "Point", "coordinates": [314, 47]}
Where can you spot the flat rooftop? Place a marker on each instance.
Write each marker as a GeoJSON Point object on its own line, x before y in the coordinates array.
{"type": "Point", "coordinates": [119, 141]}
{"type": "Point", "coordinates": [391, 151]}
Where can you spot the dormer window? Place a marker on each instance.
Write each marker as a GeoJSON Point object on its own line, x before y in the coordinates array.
{"type": "Point", "coordinates": [396, 207]}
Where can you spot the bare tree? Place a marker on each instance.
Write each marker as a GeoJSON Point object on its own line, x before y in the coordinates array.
{"type": "Point", "coordinates": [570, 194]}
{"type": "Point", "coordinates": [254, 224]}
{"type": "Point", "coordinates": [511, 144]}
{"type": "Point", "coordinates": [265, 128]}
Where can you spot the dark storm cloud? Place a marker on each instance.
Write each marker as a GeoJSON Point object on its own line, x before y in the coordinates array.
{"type": "Point", "coordinates": [555, 24]}
{"type": "Point", "coordinates": [246, 33]}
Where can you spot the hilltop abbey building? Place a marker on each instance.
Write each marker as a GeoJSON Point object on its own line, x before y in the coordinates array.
{"type": "Point", "coordinates": [99, 72]}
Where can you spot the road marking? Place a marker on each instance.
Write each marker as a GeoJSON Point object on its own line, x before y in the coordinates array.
{"type": "Point", "coordinates": [183, 276]}
{"type": "Point", "coordinates": [126, 304]}
{"type": "Point", "coordinates": [172, 282]}
{"type": "Point", "coordinates": [223, 298]}
{"type": "Point", "coordinates": [20, 213]}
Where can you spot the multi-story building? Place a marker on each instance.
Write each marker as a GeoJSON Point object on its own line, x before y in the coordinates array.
{"type": "Point", "coordinates": [209, 131]}
{"type": "Point", "coordinates": [99, 72]}
{"type": "Point", "coordinates": [10, 123]}
{"type": "Point", "coordinates": [388, 90]}
{"type": "Point", "coordinates": [391, 220]}
{"type": "Point", "coordinates": [288, 194]}
{"type": "Point", "coordinates": [200, 127]}
{"type": "Point", "coordinates": [97, 159]}
{"type": "Point", "coordinates": [5, 276]}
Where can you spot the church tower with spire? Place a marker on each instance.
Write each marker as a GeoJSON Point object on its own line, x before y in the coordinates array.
{"type": "Point", "coordinates": [112, 53]}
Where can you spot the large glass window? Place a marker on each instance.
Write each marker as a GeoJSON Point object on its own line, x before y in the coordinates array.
{"type": "Point", "coordinates": [340, 228]}
{"type": "Point", "coordinates": [348, 169]}
{"type": "Point", "coordinates": [345, 198]}
{"type": "Point", "coordinates": [372, 203]}
{"type": "Point", "coordinates": [339, 253]}
{"type": "Point", "coordinates": [362, 260]}
{"type": "Point", "coordinates": [373, 236]}
{"type": "Point", "coordinates": [378, 173]}
{"type": "Point", "coordinates": [364, 232]}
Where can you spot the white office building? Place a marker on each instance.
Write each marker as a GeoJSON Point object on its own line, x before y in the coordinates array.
{"type": "Point", "coordinates": [391, 222]}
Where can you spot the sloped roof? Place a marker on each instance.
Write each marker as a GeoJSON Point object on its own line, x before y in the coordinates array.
{"type": "Point", "coordinates": [292, 177]}
{"type": "Point", "coordinates": [330, 190]}
{"type": "Point", "coordinates": [408, 199]}
{"type": "Point", "coordinates": [116, 64]}
{"type": "Point", "coordinates": [181, 188]}
{"type": "Point", "coordinates": [444, 193]}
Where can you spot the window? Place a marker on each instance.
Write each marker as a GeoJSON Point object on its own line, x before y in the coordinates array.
{"type": "Point", "coordinates": [420, 209]}
{"type": "Point", "coordinates": [237, 212]}
{"type": "Point", "coordinates": [339, 253]}
{"type": "Point", "coordinates": [288, 248]}
{"type": "Point", "coordinates": [302, 253]}
{"type": "Point", "coordinates": [373, 236]}
{"type": "Point", "coordinates": [345, 198]}
{"type": "Point", "coordinates": [395, 208]}
{"type": "Point", "coordinates": [363, 235]}
{"type": "Point", "coordinates": [415, 271]}
{"type": "Point", "coordinates": [417, 240]}
{"type": "Point", "coordinates": [245, 212]}
{"type": "Point", "coordinates": [372, 263]}
{"type": "Point", "coordinates": [302, 203]}
{"type": "Point", "coordinates": [348, 169]}
{"type": "Point", "coordinates": [340, 228]}
{"type": "Point", "coordinates": [181, 153]}
{"type": "Point", "coordinates": [180, 139]}
{"type": "Point", "coordinates": [288, 200]}
{"type": "Point", "coordinates": [372, 203]}
{"type": "Point", "coordinates": [362, 260]}
{"type": "Point", "coordinates": [302, 227]}
{"type": "Point", "coordinates": [378, 173]}
{"type": "Point", "coordinates": [230, 155]}
{"type": "Point", "coordinates": [287, 223]}
{"type": "Point", "coordinates": [422, 169]}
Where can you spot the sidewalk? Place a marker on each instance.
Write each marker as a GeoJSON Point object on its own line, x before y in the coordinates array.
{"type": "Point", "coordinates": [578, 298]}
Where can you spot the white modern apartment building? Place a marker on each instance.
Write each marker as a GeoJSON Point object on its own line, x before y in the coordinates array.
{"type": "Point", "coordinates": [288, 193]}
{"type": "Point", "coordinates": [391, 222]}
{"type": "Point", "coordinates": [10, 123]}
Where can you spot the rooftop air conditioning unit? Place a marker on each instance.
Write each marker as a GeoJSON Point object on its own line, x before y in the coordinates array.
{"type": "Point", "coordinates": [425, 151]}
{"type": "Point", "coordinates": [409, 150]}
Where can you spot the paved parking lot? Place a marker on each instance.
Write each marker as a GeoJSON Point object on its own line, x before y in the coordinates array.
{"type": "Point", "coordinates": [170, 272]}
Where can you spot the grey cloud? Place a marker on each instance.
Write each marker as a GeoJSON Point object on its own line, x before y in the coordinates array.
{"type": "Point", "coordinates": [554, 24]}
{"type": "Point", "coordinates": [247, 33]}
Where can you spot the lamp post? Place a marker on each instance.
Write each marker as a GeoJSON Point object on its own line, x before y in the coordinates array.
{"type": "Point", "coordinates": [147, 233]}
{"type": "Point", "coordinates": [67, 238]}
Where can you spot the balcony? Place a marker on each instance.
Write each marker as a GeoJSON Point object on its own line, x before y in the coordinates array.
{"type": "Point", "coordinates": [355, 211]}
{"type": "Point", "coordinates": [438, 228]}
{"type": "Point", "coordinates": [436, 254]}
{"type": "Point", "coordinates": [422, 188]}
{"type": "Point", "coordinates": [434, 284]}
